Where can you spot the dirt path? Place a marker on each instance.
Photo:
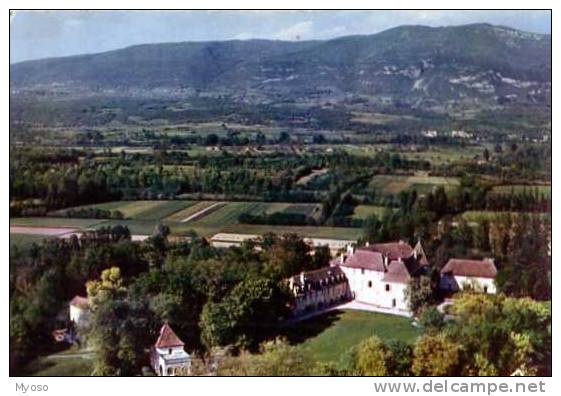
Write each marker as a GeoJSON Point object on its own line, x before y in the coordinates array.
{"type": "Point", "coordinates": [60, 232]}
{"type": "Point", "coordinates": [202, 212]}
{"type": "Point", "coordinates": [48, 231]}
{"type": "Point", "coordinates": [88, 354]}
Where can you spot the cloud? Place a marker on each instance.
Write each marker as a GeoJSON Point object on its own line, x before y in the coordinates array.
{"type": "Point", "coordinates": [298, 31]}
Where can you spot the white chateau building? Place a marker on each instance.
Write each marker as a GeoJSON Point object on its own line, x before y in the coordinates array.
{"type": "Point", "coordinates": [168, 357]}
{"type": "Point", "coordinates": [477, 275]}
{"type": "Point", "coordinates": [319, 289]}
{"type": "Point", "coordinates": [378, 275]}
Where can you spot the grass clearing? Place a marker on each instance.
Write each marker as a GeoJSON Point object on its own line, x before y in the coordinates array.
{"type": "Point", "coordinates": [364, 211]}
{"type": "Point", "coordinates": [145, 210]}
{"type": "Point", "coordinates": [477, 216]}
{"type": "Point", "coordinates": [328, 337]}
{"type": "Point", "coordinates": [394, 184]}
{"type": "Point", "coordinates": [228, 214]}
{"type": "Point", "coordinates": [304, 231]}
{"type": "Point", "coordinates": [443, 155]}
{"type": "Point", "coordinates": [61, 364]}
{"type": "Point", "coordinates": [521, 189]}
{"type": "Point", "coordinates": [378, 118]}
{"type": "Point", "coordinates": [54, 222]}
{"type": "Point", "coordinates": [24, 241]}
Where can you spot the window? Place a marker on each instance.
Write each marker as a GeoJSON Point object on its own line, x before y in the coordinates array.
{"type": "Point", "coordinates": [393, 303]}
{"type": "Point", "coordinates": [369, 283]}
{"type": "Point", "coordinates": [485, 289]}
{"type": "Point", "coordinates": [169, 351]}
{"type": "Point", "coordinates": [387, 287]}
{"type": "Point", "coordinates": [362, 271]}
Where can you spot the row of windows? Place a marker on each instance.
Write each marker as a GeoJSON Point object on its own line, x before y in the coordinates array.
{"type": "Point", "coordinates": [388, 288]}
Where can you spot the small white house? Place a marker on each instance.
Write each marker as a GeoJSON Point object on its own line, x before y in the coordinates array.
{"type": "Point", "coordinates": [80, 311]}
{"type": "Point", "coordinates": [477, 275]}
{"type": "Point", "coordinates": [168, 357]}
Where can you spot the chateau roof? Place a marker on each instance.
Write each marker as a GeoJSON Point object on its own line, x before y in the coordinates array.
{"type": "Point", "coordinates": [392, 250]}
{"type": "Point", "coordinates": [318, 275]}
{"type": "Point", "coordinates": [80, 302]}
{"type": "Point", "coordinates": [397, 273]}
{"type": "Point", "coordinates": [363, 258]}
{"type": "Point", "coordinates": [168, 338]}
{"type": "Point", "coordinates": [474, 268]}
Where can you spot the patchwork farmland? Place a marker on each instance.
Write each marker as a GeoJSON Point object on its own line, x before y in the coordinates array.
{"type": "Point", "coordinates": [203, 217]}
{"type": "Point", "coordinates": [141, 210]}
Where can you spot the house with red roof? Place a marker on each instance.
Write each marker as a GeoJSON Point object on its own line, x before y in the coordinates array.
{"type": "Point", "coordinates": [379, 273]}
{"type": "Point", "coordinates": [376, 274]}
{"type": "Point", "coordinates": [477, 275]}
{"type": "Point", "coordinates": [168, 356]}
{"type": "Point", "coordinates": [319, 289]}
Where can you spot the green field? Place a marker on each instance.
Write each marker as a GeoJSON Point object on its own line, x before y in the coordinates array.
{"type": "Point", "coordinates": [328, 337]}
{"type": "Point", "coordinates": [260, 208]}
{"type": "Point", "coordinates": [480, 215]}
{"type": "Point", "coordinates": [24, 241]}
{"type": "Point", "coordinates": [304, 231]}
{"type": "Point", "coordinates": [442, 155]}
{"type": "Point", "coordinates": [190, 210]}
{"type": "Point", "coordinates": [61, 364]}
{"type": "Point", "coordinates": [394, 184]}
{"type": "Point", "coordinates": [363, 211]}
{"type": "Point", "coordinates": [55, 222]}
{"type": "Point", "coordinates": [436, 155]}
{"type": "Point", "coordinates": [228, 214]}
{"type": "Point", "coordinates": [144, 210]}
{"type": "Point", "coordinates": [520, 189]}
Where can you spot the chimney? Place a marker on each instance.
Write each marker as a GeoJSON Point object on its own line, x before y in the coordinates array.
{"type": "Point", "coordinates": [415, 254]}
{"type": "Point", "coordinates": [342, 258]}
{"type": "Point", "coordinates": [350, 249]}
{"type": "Point", "coordinates": [367, 243]}
{"type": "Point", "coordinates": [302, 278]}
{"type": "Point", "coordinates": [386, 261]}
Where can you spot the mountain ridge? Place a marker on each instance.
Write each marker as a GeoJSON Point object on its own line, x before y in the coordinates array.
{"type": "Point", "coordinates": [410, 63]}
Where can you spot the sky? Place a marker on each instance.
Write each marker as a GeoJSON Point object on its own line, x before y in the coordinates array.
{"type": "Point", "coordinates": [43, 34]}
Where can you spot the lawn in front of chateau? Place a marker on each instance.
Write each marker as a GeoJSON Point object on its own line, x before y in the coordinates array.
{"type": "Point", "coordinates": [328, 337]}
{"type": "Point", "coordinates": [71, 362]}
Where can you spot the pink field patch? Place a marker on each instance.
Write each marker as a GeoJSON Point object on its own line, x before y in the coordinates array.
{"type": "Point", "coordinates": [49, 231]}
